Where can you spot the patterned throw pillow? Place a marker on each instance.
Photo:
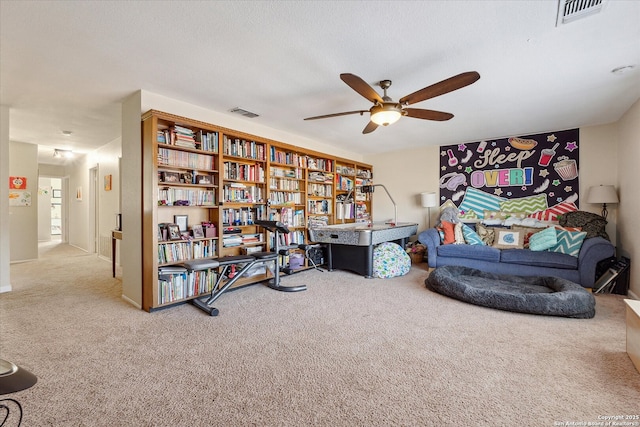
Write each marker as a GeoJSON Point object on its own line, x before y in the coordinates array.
{"type": "Point", "coordinates": [487, 234]}
{"type": "Point", "coordinates": [470, 236]}
{"type": "Point", "coordinates": [543, 240]}
{"type": "Point", "coordinates": [528, 232]}
{"type": "Point", "coordinates": [569, 242]}
{"type": "Point", "coordinates": [503, 215]}
{"type": "Point", "coordinates": [508, 239]}
{"type": "Point", "coordinates": [529, 204]}
{"type": "Point", "coordinates": [552, 213]}
{"type": "Point", "coordinates": [479, 201]}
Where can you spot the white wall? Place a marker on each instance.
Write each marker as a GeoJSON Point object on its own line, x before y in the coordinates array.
{"type": "Point", "coordinates": [78, 208]}
{"type": "Point", "coordinates": [23, 220]}
{"type": "Point", "coordinates": [44, 209]}
{"type": "Point", "coordinates": [628, 181]}
{"type": "Point", "coordinates": [5, 232]}
{"type": "Point", "coordinates": [408, 173]}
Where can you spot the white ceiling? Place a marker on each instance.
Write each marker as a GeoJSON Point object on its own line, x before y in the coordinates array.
{"type": "Point", "coordinates": [67, 65]}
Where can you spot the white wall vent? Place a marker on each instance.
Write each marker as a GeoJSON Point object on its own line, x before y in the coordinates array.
{"type": "Point", "coordinates": [572, 10]}
{"type": "Point", "coordinates": [243, 112]}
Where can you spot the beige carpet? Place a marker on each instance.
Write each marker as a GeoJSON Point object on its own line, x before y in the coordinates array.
{"type": "Point", "coordinates": [348, 351]}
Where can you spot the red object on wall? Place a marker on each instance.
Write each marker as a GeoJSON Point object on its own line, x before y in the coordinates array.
{"type": "Point", "coordinates": [17, 183]}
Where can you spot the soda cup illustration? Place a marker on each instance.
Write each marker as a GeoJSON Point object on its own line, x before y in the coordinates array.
{"type": "Point", "coordinates": [546, 155]}
{"type": "Point", "coordinates": [482, 146]}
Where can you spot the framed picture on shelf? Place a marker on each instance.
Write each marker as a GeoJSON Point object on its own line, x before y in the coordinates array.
{"type": "Point", "coordinates": [187, 178]}
{"type": "Point", "coordinates": [203, 179]}
{"type": "Point", "coordinates": [160, 236]}
{"type": "Point", "coordinates": [181, 221]}
{"type": "Point", "coordinates": [198, 232]}
{"type": "Point", "coordinates": [174, 232]}
{"type": "Point", "coordinates": [170, 177]}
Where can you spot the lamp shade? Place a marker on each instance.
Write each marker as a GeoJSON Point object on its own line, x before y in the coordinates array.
{"type": "Point", "coordinates": [429, 200]}
{"type": "Point", "coordinates": [602, 194]}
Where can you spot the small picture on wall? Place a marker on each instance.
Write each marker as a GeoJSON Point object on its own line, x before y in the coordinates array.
{"type": "Point", "coordinates": [107, 182]}
{"type": "Point", "coordinates": [17, 182]}
{"type": "Point", "coordinates": [79, 194]}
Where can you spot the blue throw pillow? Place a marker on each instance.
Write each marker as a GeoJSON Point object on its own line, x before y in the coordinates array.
{"type": "Point", "coordinates": [470, 236]}
{"type": "Point", "coordinates": [569, 242]}
{"type": "Point", "coordinates": [543, 240]}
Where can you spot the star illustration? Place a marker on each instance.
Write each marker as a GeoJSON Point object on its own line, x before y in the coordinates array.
{"type": "Point", "coordinates": [552, 194]}
{"type": "Point", "coordinates": [493, 144]}
{"type": "Point", "coordinates": [568, 189]}
{"type": "Point", "coordinates": [523, 188]}
{"type": "Point", "coordinates": [459, 167]}
{"type": "Point", "coordinates": [559, 199]}
{"type": "Point", "coordinates": [497, 192]}
{"type": "Point", "coordinates": [544, 173]}
{"type": "Point", "coordinates": [444, 168]}
{"type": "Point", "coordinates": [571, 146]}
{"type": "Point", "coordinates": [462, 147]}
{"type": "Point", "coordinates": [552, 138]}
{"type": "Point", "coordinates": [443, 153]}
{"type": "Point", "coordinates": [507, 148]}
{"type": "Point", "coordinates": [509, 194]}
{"type": "Point", "coordinates": [468, 169]}
{"type": "Point", "coordinates": [555, 182]}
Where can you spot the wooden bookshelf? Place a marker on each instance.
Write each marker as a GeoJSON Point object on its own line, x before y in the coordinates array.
{"type": "Point", "coordinates": [224, 180]}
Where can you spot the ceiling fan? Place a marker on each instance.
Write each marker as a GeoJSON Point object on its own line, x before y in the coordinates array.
{"type": "Point", "coordinates": [385, 111]}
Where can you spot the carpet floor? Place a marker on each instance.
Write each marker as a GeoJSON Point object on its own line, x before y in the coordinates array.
{"type": "Point", "coordinates": [348, 351]}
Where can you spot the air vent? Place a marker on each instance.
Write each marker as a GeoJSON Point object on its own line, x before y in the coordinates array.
{"type": "Point", "coordinates": [572, 10]}
{"type": "Point", "coordinates": [243, 112]}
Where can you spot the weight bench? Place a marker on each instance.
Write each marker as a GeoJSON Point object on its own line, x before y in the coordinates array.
{"type": "Point", "coordinates": [249, 260]}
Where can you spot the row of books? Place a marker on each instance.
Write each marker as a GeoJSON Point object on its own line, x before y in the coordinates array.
{"type": "Point", "coordinates": [284, 184]}
{"type": "Point", "coordinates": [285, 198]}
{"type": "Point", "coordinates": [320, 190]}
{"type": "Point", "coordinates": [292, 238]}
{"type": "Point", "coordinates": [286, 173]}
{"type": "Point", "coordinates": [244, 172]}
{"type": "Point", "coordinates": [242, 193]}
{"type": "Point", "coordinates": [242, 216]}
{"type": "Point", "coordinates": [185, 159]}
{"type": "Point", "coordinates": [170, 195]}
{"type": "Point", "coordinates": [288, 216]}
{"type": "Point", "coordinates": [176, 283]}
{"type": "Point", "coordinates": [345, 170]}
{"type": "Point", "coordinates": [242, 148]}
{"type": "Point", "coordinates": [207, 141]}
{"type": "Point", "coordinates": [343, 183]}
{"type": "Point", "coordinates": [319, 207]}
{"type": "Point", "coordinates": [293, 159]}
{"type": "Point", "coordinates": [320, 164]}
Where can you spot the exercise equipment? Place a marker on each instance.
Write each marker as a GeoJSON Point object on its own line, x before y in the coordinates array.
{"type": "Point", "coordinates": [224, 282]}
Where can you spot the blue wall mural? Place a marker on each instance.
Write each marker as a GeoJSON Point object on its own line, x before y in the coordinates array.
{"type": "Point", "coordinates": [533, 174]}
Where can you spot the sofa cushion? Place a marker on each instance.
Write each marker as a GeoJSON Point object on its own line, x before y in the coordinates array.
{"type": "Point", "coordinates": [485, 253]}
{"type": "Point", "coordinates": [539, 259]}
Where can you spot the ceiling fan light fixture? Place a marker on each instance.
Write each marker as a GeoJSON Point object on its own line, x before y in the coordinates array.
{"type": "Point", "coordinates": [384, 115]}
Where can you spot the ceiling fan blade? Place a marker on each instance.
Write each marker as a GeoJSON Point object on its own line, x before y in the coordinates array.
{"type": "Point", "coordinates": [362, 87]}
{"type": "Point", "coordinates": [371, 126]}
{"type": "Point", "coordinates": [440, 88]}
{"type": "Point", "coordinates": [361, 112]}
{"type": "Point", "coordinates": [418, 113]}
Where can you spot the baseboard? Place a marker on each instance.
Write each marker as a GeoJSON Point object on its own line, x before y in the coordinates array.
{"type": "Point", "coordinates": [4, 289]}
{"type": "Point", "coordinates": [132, 302]}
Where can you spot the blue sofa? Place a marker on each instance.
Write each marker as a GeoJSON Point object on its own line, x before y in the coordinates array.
{"type": "Point", "coordinates": [521, 262]}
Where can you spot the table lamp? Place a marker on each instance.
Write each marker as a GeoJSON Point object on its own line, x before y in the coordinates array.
{"type": "Point", "coordinates": [429, 200]}
{"type": "Point", "coordinates": [602, 194]}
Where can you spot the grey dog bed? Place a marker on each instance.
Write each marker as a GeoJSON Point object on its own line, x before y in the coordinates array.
{"type": "Point", "coordinates": [550, 296]}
